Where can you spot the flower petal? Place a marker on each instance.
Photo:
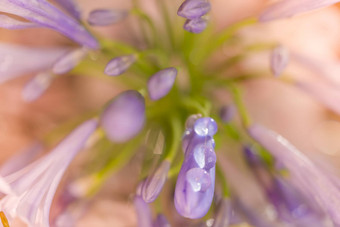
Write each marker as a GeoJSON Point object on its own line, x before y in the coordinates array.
{"type": "Point", "coordinates": [43, 13]}
{"type": "Point", "coordinates": [289, 8]}
{"type": "Point", "coordinates": [11, 23]}
{"type": "Point", "coordinates": [312, 180]}
{"type": "Point", "coordinates": [19, 60]}
{"type": "Point", "coordinates": [70, 6]}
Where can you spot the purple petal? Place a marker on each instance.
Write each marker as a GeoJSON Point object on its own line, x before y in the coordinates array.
{"type": "Point", "coordinates": [279, 59]}
{"type": "Point", "coordinates": [104, 17]}
{"type": "Point", "coordinates": [43, 13]}
{"type": "Point", "coordinates": [71, 7]}
{"type": "Point", "coordinates": [124, 117]}
{"type": "Point", "coordinates": [311, 179]}
{"type": "Point", "coordinates": [22, 159]}
{"type": "Point", "coordinates": [70, 60]}
{"type": "Point", "coordinates": [11, 23]}
{"type": "Point", "coordinates": [192, 9]}
{"type": "Point", "coordinates": [153, 185]}
{"type": "Point", "coordinates": [196, 25]}
{"type": "Point", "coordinates": [289, 8]}
{"type": "Point", "coordinates": [205, 126]}
{"type": "Point", "coordinates": [144, 217]}
{"type": "Point", "coordinates": [18, 60]}
{"type": "Point", "coordinates": [119, 65]}
{"type": "Point", "coordinates": [37, 86]}
{"type": "Point", "coordinates": [34, 186]}
{"type": "Point", "coordinates": [160, 84]}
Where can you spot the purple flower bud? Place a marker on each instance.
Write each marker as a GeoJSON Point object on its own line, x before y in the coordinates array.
{"type": "Point", "coordinates": [37, 86]}
{"type": "Point", "coordinates": [227, 113]}
{"type": "Point", "coordinates": [192, 9]}
{"type": "Point", "coordinates": [196, 180]}
{"type": "Point", "coordinates": [161, 221]}
{"type": "Point", "coordinates": [196, 25]}
{"type": "Point", "coordinates": [205, 126]}
{"type": "Point", "coordinates": [279, 59]}
{"type": "Point", "coordinates": [160, 84]}
{"type": "Point", "coordinates": [144, 217]}
{"type": "Point", "coordinates": [153, 185]}
{"type": "Point", "coordinates": [119, 65]}
{"type": "Point", "coordinates": [104, 17]}
{"type": "Point", "coordinates": [124, 117]}
{"type": "Point", "coordinates": [69, 61]}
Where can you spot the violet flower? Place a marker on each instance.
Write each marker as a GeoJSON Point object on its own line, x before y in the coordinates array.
{"type": "Point", "coordinates": [45, 14]}
{"type": "Point", "coordinates": [196, 25]}
{"type": "Point", "coordinates": [31, 60]}
{"type": "Point", "coordinates": [193, 9]}
{"type": "Point", "coordinates": [104, 17]}
{"type": "Point", "coordinates": [124, 116]}
{"type": "Point", "coordinates": [154, 183]}
{"type": "Point", "coordinates": [279, 59]}
{"type": "Point", "coordinates": [30, 191]}
{"type": "Point", "coordinates": [196, 180]}
{"type": "Point", "coordinates": [309, 176]}
{"type": "Point", "coordinates": [160, 84]}
{"type": "Point", "coordinates": [289, 8]}
{"type": "Point", "coordinates": [119, 65]}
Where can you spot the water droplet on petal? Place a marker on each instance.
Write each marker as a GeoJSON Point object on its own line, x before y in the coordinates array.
{"type": "Point", "coordinates": [205, 127]}
{"type": "Point", "coordinates": [198, 179]}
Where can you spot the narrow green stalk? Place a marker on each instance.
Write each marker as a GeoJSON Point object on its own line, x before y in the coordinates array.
{"type": "Point", "coordinates": [237, 98]}
{"type": "Point", "coordinates": [176, 138]}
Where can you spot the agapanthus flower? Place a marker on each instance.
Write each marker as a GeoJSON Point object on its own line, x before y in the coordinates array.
{"type": "Point", "coordinates": [196, 180]}
{"type": "Point", "coordinates": [68, 61]}
{"type": "Point", "coordinates": [30, 191]}
{"type": "Point", "coordinates": [71, 7]}
{"type": "Point", "coordinates": [124, 116]}
{"type": "Point", "coordinates": [311, 179]}
{"type": "Point", "coordinates": [227, 113]}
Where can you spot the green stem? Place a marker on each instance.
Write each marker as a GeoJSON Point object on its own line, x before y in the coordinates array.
{"type": "Point", "coordinates": [237, 98]}
{"type": "Point", "coordinates": [176, 138]}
